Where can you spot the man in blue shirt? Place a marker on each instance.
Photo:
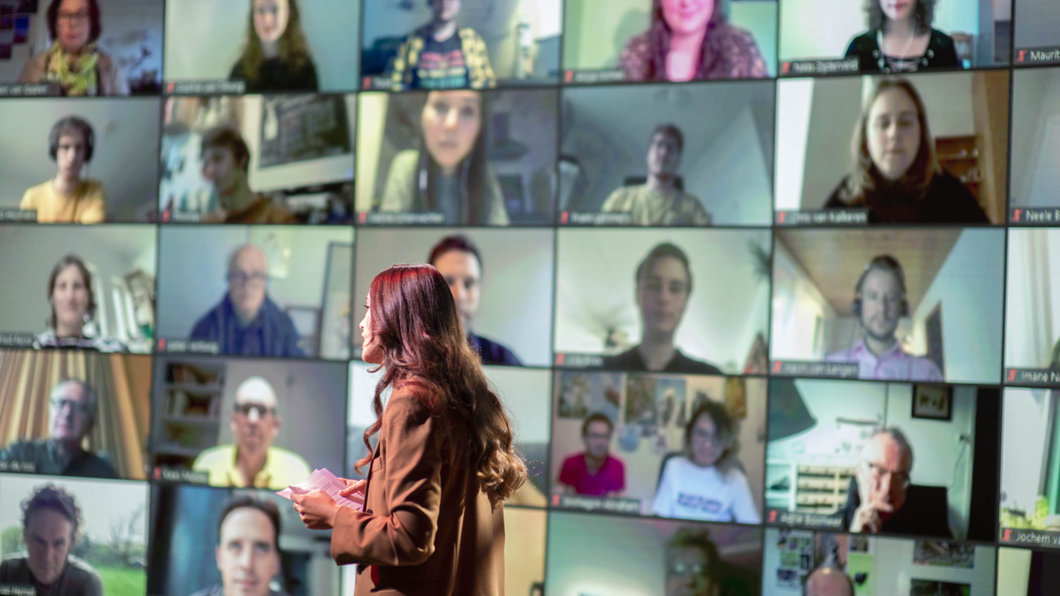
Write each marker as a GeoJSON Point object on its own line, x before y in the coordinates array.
{"type": "Point", "coordinates": [246, 322]}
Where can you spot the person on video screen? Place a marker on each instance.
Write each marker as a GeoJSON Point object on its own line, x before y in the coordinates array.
{"type": "Point", "coordinates": [694, 568]}
{"type": "Point", "coordinates": [74, 406]}
{"type": "Point", "coordinates": [442, 55]}
{"type": "Point", "coordinates": [73, 310]}
{"type": "Point", "coordinates": [881, 499]}
{"type": "Point", "coordinates": [252, 461]}
{"type": "Point", "coordinates": [705, 481]}
{"type": "Point", "coordinates": [900, 38]}
{"type": "Point", "coordinates": [879, 304]}
{"type": "Point", "coordinates": [895, 173]}
{"type": "Point", "coordinates": [74, 62]}
{"type": "Point", "coordinates": [51, 520]}
{"type": "Point", "coordinates": [449, 172]}
{"type": "Point", "coordinates": [691, 40]}
{"type": "Point", "coordinates": [828, 581]}
{"type": "Point", "coordinates": [248, 548]}
{"type": "Point", "coordinates": [276, 55]}
{"type": "Point", "coordinates": [660, 201]}
{"type": "Point", "coordinates": [594, 472]}
{"type": "Point", "coordinates": [458, 260]}
{"type": "Point", "coordinates": [68, 198]}
{"type": "Point", "coordinates": [246, 322]}
{"type": "Point", "coordinates": [225, 163]}
{"type": "Point", "coordinates": [664, 283]}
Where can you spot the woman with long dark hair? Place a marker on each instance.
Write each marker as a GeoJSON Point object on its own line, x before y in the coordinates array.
{"type": "Point", "coordinates": [691, 40]}
{"type": "Point", "coordinates": [900, 38]}
{"type": "Point", "coordinates": [276, 55]}
{"type": "Point", "coordinates": [894, 172]}
{"type": "Point", "coordinates": [448, 173]}
{"type": "Point", "coordinates": [443, 462]}
{"type": "Point", "coordinates": [72, 323]}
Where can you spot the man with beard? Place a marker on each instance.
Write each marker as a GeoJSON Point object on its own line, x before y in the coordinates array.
{"type": "Point", "coordinates": [879, 304]}
{"type": "Point", "coordinates": [252, 461]}
{"type": "Point", "coordinates": [248, 550]}
{"type": "Point", "coordinates": [664, 284]}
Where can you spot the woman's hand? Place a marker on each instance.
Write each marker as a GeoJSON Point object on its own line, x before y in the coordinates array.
{"type": "Point", "coordinates": [353, 487]}
{"type": "Point", "coordinates": [317, 510]}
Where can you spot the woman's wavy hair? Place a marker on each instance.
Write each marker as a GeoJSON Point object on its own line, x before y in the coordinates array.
{"type": "Point", "coordinates": [415, 321]}
{"type": "Point", "coordinates": [923, 15]}
{"type": "Point", "coordinates": [863, 184]}
{"type": "Point", "coordinates": [725, 430]}
{"type": "Point", "coordinates": [659, 42]}
{"type": "Point", "coordinates": [294, 49]}
{"type": "Point", "coordinates": [86, 278]}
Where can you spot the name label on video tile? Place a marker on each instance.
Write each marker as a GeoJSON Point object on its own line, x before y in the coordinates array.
{"type": "Point", "coordinates": [824, 217]}
{"type": "Point", "coordinates": [377, 84]}
{"type": "Point", "coordinates": [1037, 56]}
{"type": "Point", "coordinates": [16, 340]}
{"type": "Point", "coordinates": [588, 77]}
{"type": "Point", "coordinates": [1039, 216]}
{"type": "Point", "coordinates": [15, 590]}
{"type": "Point", "coordinates": [206, 87]}
{"type": "Point", "coordinates": [580, 360]}
{"type": "Point", "coordinates": [829, 370]}
{"type": "Point", "coordinates": [1032, 376]}
{"type": "Point", "coordinates": [26, 467]}
{"type": "Point", "coordinates": [29, 90]}
{"type": "Point", "coordinates": [802, 68]}
{"type": "Point", "coordinates": [401, 218]}
{"type": "Point", "coordinates": [170, 216]}
{"type": "Point", "coordinates": [599, 504]}
{"type": "Point", "coordinates": [166, 474]}
{"type": "Point", "coordinates": [578, 218]}
{"type": "Point", "coordinates": [806, 520]}
{"type": "Point", "coordinates": [192, 346]}
{"type": "Point", "coordinates": [1030, 537]}
{"type": "Point", "coordinates": [18, 215]}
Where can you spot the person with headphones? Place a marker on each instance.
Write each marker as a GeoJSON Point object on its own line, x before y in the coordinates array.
{"type": "Point", "coordinates": [68, 198]}
{"type": "Point", "coordinates": [879, 304]}
{"type": "Point", "coordinates": [73, 310]}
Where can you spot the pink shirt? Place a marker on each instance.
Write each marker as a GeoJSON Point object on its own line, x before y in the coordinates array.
{"type": "Point", "coordinates": [610, 478]}
{"type": "Point", "coordinates": [892, 365]}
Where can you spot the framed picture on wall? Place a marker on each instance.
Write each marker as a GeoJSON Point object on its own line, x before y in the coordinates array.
{"type": "Point", "coordinates": [933, 402]}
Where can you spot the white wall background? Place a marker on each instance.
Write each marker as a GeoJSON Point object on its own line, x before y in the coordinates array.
{"type": "Point", "coordinates": [194, 263]}
{"type": "Point", "coordinates": [1028, 416]}
{"type": "Point", "coordinates": [204, 39]}
{"type": "Point", "coordinates": [596, 288]}
{"type": "Point", "coordinates": [126, 132]}
{"type": "Point", "coordinates": [1032, 306]}
{"type": "Point", "coordinates": [495, 21]}
{"type": "Point", "coordinates": [804, 323]}
{"type": "Point", "coordinates": [28, 253]}
{"type": "Point", "coordinates": [1035, 136]}
{"type": "Point", "coordinates": [515, 306]}
{"type": "Point", "coordinates": [941, 457]}
{"type": "Point", "coordinates": [816, 120]}
{"type": "Point", "coordinates": [1037, 24]}
{"type": "Point", "coordinates": [970, 287]}
{"type": "Point", "coordinates": [642, 465]}
{"type": "Point", "coordinates": [1013, 570]}
{"type": "Point", "coordinates": [803, 38]}
{"type": "Point", "coordinates": [596, 32]}
{"type": "Point", "coordinates": [728, 136]}
{"type": "Point", "coordinates": [128, 27]}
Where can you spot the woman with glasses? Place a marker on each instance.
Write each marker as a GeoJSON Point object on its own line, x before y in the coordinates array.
{"type": "Point", "coordinates": [705, 481]}
{"type": "Point", "coordinates": [276, 54]}
{"type": "Point", "coordinates": [74, 61]}
{"type": "Point", "coordinates": [73, 310]}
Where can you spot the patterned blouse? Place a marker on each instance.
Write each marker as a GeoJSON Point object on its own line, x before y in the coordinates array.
{"type": "Point", "coordinates": [739, 57]}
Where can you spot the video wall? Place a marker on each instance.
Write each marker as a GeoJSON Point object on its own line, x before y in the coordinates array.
{"type": "Point", "coordinates": [769, 288]}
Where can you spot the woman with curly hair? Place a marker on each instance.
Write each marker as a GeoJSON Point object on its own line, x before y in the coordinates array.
{"type": "Point", "coordinates": [900, 38]}
{"type": "Point", "coordinates": [691, 40]}
{"type": "Point", "coordinates": [276, 55]}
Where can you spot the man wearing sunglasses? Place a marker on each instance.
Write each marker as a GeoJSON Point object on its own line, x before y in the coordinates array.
{"type": "Point", "coordinates": [252, 461]}
{"type": "Point", "coordinates": [71, 415]}
{"type": "Point", "coordinates": [246, 322]}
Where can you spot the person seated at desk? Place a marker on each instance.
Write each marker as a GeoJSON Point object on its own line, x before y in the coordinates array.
{"type": "Point", "coordinates": [225, 163]}
{"type": "Point", "coordinates": [659, 202]}
{"type": "Point", "coordinates": [74, 62]}
{"type": "Point", "coordinates": [881, 498]}
{"type": "Point", "coordinates": [73, 408]}
{"type": "Point", "coordinates": [442, 55]}
{"type": "Point", "coordinates": [252, 461]}
{"type": "Point", "coordinates": [594, 472]}
{"type": "Point", "coordinates": [664, 283]}
{"type": "Point", "coordinates": [68, 198]}
{"type": "Point", "coordinates": [246, 322]}
{"type": "Point", "coordinates": [276, 54]}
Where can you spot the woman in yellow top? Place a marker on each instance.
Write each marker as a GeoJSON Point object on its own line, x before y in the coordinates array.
{"type": "Point", "coordinates": [67, 198]}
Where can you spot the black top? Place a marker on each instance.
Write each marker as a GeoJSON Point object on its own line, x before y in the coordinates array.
{"type": "Point", "coordinates": [277, 75]}
{"type": "Point", "coordinates": [925, 512]}
{"type": "Point", "coordinates": [493, 352]}
{"type": "Point", "coordinates": [77, 579]}
{"type": "Point", "coordinates": [45, 457]}
{"type": "Point", "coordinates": [947, 201]}
{"type": "Point", "coordinates": [941, 53]}
{"type": "Point", "coordinates": [631, 360]}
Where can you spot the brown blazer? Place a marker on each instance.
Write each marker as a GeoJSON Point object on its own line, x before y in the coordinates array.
{"type": "Point", "coordinates": [428, 528]}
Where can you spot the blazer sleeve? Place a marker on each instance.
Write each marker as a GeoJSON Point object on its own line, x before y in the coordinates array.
{"type": "Point", "coordinates": [410, 477]}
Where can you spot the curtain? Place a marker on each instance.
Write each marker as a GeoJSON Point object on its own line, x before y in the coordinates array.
{"type": "Point", "coordinates": [122, 383]}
